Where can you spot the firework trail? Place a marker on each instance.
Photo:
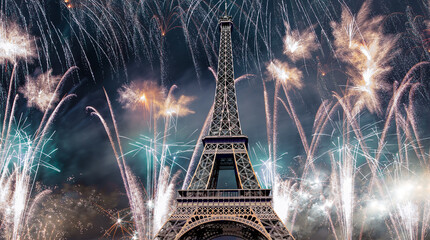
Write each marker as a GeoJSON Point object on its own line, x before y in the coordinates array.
{"type": "Point", "coordinates": [286, 77]}
{"type": "Point", "coordinates": [149, 212]}
{"type": "Point", "coordinates": [296, 46]}
{"type": "Point", "coordinates": [409, 213]}
{"type": "Point", "coordinates": [21, 156]}
{"type": "Point", "coordinates": [129, 181]}
{"type": "Point", "coordinates": [342, 184]}
{"type": "Point", "coordinates": [353, 189]}
{"type": "Point", "coordinates": [170, 108]}
{"type": "Point", "coordinates": [283, 193]}
{"type": "Point", "coordinates": [163, 202]}
{"type": "Point", "coordinates": [395, 101]}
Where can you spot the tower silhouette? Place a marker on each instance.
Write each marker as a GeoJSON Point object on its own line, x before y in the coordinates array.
{"type": "Point", "coordinates": [224, 197]}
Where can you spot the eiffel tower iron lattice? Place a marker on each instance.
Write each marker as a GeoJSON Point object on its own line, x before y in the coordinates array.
{"type": "Point", "coordinates": [205, 211]}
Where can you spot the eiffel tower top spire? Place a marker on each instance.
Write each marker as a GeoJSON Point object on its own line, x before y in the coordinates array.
{"type": "Point", "coordinates": [225, 118]}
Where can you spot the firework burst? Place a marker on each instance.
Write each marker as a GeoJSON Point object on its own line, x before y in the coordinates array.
{"type": "Point", "coordinates": [299, 45]}
{"type": "Point", "coordinates": [176, 107]}
{"type": "Point", "coordinates": [289, 76]}
{"type": "Point", "coordinates": [40, 91]}
{"type": "Point", "coordinates": [360, 42]}
{"type": "Point", "coordinates": [146, 95]}
{"type": "Point", "coordinates": [15, 44]}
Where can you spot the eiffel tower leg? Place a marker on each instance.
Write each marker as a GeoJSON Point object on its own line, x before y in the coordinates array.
{"type": "Point", "coordinates": [175, 223]}
{"type": "Point", "coordinates": [170, 229]}
{"type": "Point", "coordinates": [203, 172]}
{"type": "Point", "coordinates": [246, 173]}
{"type": "Point", "coordinates": [271, 222]}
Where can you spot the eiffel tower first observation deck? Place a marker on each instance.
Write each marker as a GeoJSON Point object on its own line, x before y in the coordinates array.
{"type": "Point", "coordinates": [224, 197]}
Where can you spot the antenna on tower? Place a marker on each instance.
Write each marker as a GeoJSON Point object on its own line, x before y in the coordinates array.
{"type": "Point", "coordinates": [225, 3]}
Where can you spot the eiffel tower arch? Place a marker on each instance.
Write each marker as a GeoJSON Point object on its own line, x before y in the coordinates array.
{"type": "Point", "coordinates": [211, 206]}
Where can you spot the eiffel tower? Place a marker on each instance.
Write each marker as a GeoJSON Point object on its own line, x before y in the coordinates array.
{"type": "Point", "coordinates": [207, 210]}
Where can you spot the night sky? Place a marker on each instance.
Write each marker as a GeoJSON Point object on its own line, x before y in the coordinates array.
{"type": "Point", "coordinates": [110, 55]}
